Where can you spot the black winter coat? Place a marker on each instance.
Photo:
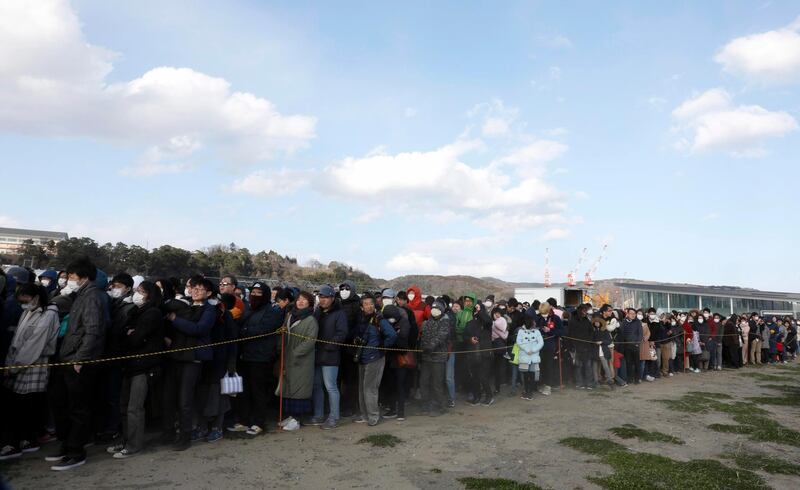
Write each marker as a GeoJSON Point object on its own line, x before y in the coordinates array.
{"type": "Point", "coordinates": [481, 328]}
{"type": "Point", "coordinates": [147, 324]}
{"type": "Point", "coordinates": [264, 320]}
{"type": "Point", "coordinates": [333, 327]}
{"type": "Point", "coordinates": [582, 333]}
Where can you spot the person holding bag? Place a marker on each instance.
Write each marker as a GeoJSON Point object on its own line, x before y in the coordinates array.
{"type": "Point", "coordinates": [434, 341]}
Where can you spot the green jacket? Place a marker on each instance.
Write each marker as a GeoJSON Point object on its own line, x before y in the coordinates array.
{"type": "Point", "coordinates": [298, 382]}
{"type": "Point", "coordinates": [464, 317]}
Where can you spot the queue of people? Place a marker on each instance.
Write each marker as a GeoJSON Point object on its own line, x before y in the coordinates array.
{"type": "Point", "coordinates": [318, 358]}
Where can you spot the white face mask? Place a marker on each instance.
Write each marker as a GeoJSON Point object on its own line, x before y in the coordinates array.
{"type": "Point", "coordinates": [344, 293]}
{"type": "Point", "coordinates": [30, 306]}
{"type": "Point", "coordinates": [640, 316]}
{"type": "Point", "coordinates": [590, 312]}
{"type": "Point", "coordinates": [62, 282]}
{"type": "Point", "coordinates": [70, 288]}
{"type": "Point", "coordinates": [700, 320]}
{"type": "Point", "coordinates": [436, 312]}
{"type": "Point", "coordinates": [187, 292]}
{"type": "Point", "coordinates": [673, 323]}
{"type": "Point", "coordinates": [138, 298]}
{"type": "Point", "coordinates": [116, 293]}
{"type": "Point", "coordinates": [487, 304]}
{"type": "Point", "coordinates": [411, 296]}
{"type": "Point", "coordinates": [45, 282]}
{"type": "Point", "coordinates": [387, 301]}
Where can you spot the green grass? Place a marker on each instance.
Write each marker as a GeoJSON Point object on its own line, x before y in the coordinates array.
{"type": "Point", "coordinates": [629, 431]}
{"type": "Point", "coordinates": [767, 377]}
{"type": "Point", "coordinates": [790, 398]}
{"type": "Point", "coordinates": [696, 402]}
{"type": "Point", "coordinates": [381, 440]}
{"type": "Point", "coordinates": [754, 461]}
{"type": "Point", "coordinates": [474, 483]}
{"type": "Point", "coordinates": [635, 471]}
{"type": "Point", "coordinates": [708, 394]}
{"type": "Point", "coordinates": [761, 429]}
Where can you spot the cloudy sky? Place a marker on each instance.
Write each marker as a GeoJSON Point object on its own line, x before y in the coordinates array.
{"type": "Point", "coordinates": [415, 138]}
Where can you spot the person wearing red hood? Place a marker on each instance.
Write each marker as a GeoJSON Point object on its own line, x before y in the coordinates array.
{"type": "Point", "coordinates": [421, 310]}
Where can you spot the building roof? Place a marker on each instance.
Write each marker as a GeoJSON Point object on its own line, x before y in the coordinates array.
{"type": "Point", "coordinates": [726, 291]}
{"type": "Point", "coordinates": [56, 235]}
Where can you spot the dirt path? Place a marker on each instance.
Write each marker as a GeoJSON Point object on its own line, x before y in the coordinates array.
{"type": "Point", "coordinates": [513, 439]}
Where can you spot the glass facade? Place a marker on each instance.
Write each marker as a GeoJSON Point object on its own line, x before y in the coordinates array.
{"type": "Point", "coordinates": [634, 298]}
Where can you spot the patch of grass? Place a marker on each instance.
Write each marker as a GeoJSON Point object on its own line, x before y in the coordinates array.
{"type": "Point", "coordinates": [474, 483]}
{"type": "Point", "coordinates": [754, 461]}
{"type": "Point", "coordinates": [767, 377]}
{"type": "Point", "coordinates": [633, 470]}
{"type": "Point", "coordinates": [791, 397]}
{"type": "Point", "coordinates": [629, 431]}
{"type": "Point", "coordinates": [708, 394]}
{"type": "Point", "coordinates": [786, 388]}
{"type": "Point", "coordinates": [761, 429]}
{"type": "Point", "coordinates": [792, 367]}
{"type": "Point", "coordinates": [381, 440]}
{"type": "Point", "coordinates": [704, 402]}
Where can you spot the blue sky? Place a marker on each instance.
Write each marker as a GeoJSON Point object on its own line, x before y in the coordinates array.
{"type": "Point", "coordinates": [416, 137]}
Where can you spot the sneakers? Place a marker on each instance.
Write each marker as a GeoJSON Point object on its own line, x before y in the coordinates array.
{"type": "Point", "coordinates": [115, 448]}
{"type": "Point", "coordinates": [649, 378]}
{"type": "Point", "coordinates": [254, 430]}
{"type": "Point", "coordinates": [9, 452]}
{"type": "Point", "coordinates": [401, 418]}
{"type": "Point", "coordinates": [28, 447]}
{"type": "Point", "coordinates": [57, 456]}
{"type": "Point", "coordinates": [332, 424]}
{"type": "Point", "coordinates": [545, 390]}
{"type": "Point", "coordinates": [474, 403]}
{"type": "Point", "coordinates": [237, 427]}
{"type": "Point", "coordinates": [284, 422]}
{"type": "Point", "coordinates": [68, 463]}
{"type": "Point", "coordinates": [123, 454]}
{"type": "Point", "coordinates": [451, 404]}
{"type": "Point", "coordinates": [214, 435]}
{"type": "Point", "coordinates": [359, 420]}
{"type": "Point", "coordinates": [315, 421]}
{"type": "Point", "coordinates": [390, 414]}
{"type": "Point", "coordinates": [488, 402]}
{"type": "Point", "coordinates": [46, 439]}
{"type": "Point", "coordinates": [671, 374]}
{"type": "Point", "coordinates": [374, 422]}
{"type": "Point", "coordinates": [526, 396]}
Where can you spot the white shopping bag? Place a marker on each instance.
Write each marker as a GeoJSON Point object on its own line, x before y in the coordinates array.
{"type": "Point", "coordinates": [231, 384]}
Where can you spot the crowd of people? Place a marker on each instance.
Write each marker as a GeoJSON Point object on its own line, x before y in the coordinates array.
{"type": "Point", "coordinates": [316, 357]}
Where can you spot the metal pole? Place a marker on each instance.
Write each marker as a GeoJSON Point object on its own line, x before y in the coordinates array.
{"type": "Point", "coordinates": [280, 378]}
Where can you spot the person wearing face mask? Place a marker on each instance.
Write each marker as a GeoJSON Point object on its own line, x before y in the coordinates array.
{"type": "Point", "coordinates": [348, 369]}
{"type": "Point", "coordinates": [552, 328]}
{"type": "Point", "coordinates": [744, 327]}
{"type": "Point", "coordinates": [703, 330]}
{"type": "Point", "coordinates": [49, 279]}
{"type": "Point", "coordinates": [434, 341]}
{"type": "Point", "coordinates": [478, 333]}
{"type": "Point", "coordinates": [581, 332]}
{"type": "Point", "coordinates": [631, 338]}
{"type": "Point", "coordinates": [395, 386]}
{"type": "Point", "coordinates": [669, 329]}
{"type": "Point", "coordinates": [685, 322]}
{"type": "Point", "coordinates": [191, 329]}
{"type": "Point", "coordinates": [463, 316]}
{"type": "Point", "coordinates": [716, 339]}
{"type": "Point", "coordinates": [24, 396]}
{"type": "Point", "coordinates": [656, 339]}
{"type": "Point", "coordinates": [755, 341]}
{"type": "Point", "coordinates": [387, 298]}
{"type": "Point", "coordinates": [421, 310]}
{"type": "Point", "coordinates": [256, 359]}
{"type": "Point", "coordinates": [143, 334]}
{"type": "Point", "coordinates": [73, 387]}
{"type": "Point", "coordinates": [62, 281]}
{"type": "Point", "coordinates": [731, 342]}
{"type": "Point", "coordinates": [120, 293]}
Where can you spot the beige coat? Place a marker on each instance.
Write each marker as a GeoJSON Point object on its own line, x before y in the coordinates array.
{"type": "Point", "coordinates": [644, 347]}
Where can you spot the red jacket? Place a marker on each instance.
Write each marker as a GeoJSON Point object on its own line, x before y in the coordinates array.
{"type": "Point", "coordinates": [421, 310]}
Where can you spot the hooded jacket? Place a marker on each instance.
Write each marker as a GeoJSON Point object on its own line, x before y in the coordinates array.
{"type": "Point", "coordinates": [264, 320]}
{"type": "Point", "coordinates": [53, 276]}
{"type": "Point", "coordinates": [368, 330]}
{"type": "Point", "coordinates": [421, 310]}
{"type": "Point", "coordinates": [479, 327]}
{"type": "Point", "coordinates": [465, 316]}
{"type": "Point", "coordinates": [582, 332]}
{"type": "Point", "coordinates": [333, 327]}
{"type": "Point", "coordinates": [529, 340]}
{"type": "Point", "coordinates": [435, 339]}
{"type": "Point", "coordinates": [147, 336]}
{"type": "Point", "coordinates": [352, 309]}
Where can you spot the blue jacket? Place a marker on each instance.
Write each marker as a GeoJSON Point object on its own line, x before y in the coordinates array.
{"type": "Point", "coordinates": [372, 338]}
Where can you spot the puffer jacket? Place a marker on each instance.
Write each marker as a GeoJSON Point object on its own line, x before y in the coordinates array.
{"type": "Point", "coordinates": [85, 336]}
{"type": "Point", "coordinates": [333, 328]}
{"type": "Point", "coordinates": [529, 340]}
{"type": "Point", "coordinates": [421, 310]}
{"type": "Point", "coordinates": [368, 332]}
{"type": "Point", "coordinates": [435, 339]}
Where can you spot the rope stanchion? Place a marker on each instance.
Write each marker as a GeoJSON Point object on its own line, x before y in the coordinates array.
{"type": "Point", "coordinates": [685, 357]}
{"type": "Point", "coordinates": [280, 378]}
{"type": "Point", "coordinates": [560, 373]}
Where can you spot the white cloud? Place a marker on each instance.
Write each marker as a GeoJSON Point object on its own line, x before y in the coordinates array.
{"type": "Point", "coordinates": [263, 183]}
{"type": "Point", "coordinates": [8, 221]}
{"type": "Point", "coordinates": [766, 57]}
{"type": "Point", "coordinates": [556, 132]}
{"type": "Point", "coordinates": [534, 153]}
{"type": "Point", "coordinates": [554, 72]}
{"type": "Point", "coordinates": [495, 126]}
{"type": "Point", "coordinates": [54, 83]}
{"type": "Point", "coordinates": [555, 234]}
{"type": "Point", "coordinates": [556, 41]}
{"type": "Point", "coordinates": [446, 183]}
{"type": "Point", "coordinates": [711, 122]}
{"type": "Point", "coordinates": [410, 112]}
{"type": "Point", "coordinates": [413, 263]}
{"type": "Point", "coordinates": [498, 119]}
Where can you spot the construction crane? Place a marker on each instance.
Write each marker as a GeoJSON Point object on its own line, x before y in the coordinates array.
{"type": "Point", "coordinates": [547, 267]}
{"type": "Point", "coordinates": [587, 280]}
{"type": "Point", "coordinates": [571, 276]}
